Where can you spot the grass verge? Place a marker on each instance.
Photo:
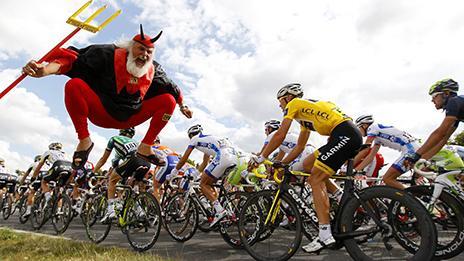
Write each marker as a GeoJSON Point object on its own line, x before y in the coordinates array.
{"type": "Point", "coordinates": [19, 246]}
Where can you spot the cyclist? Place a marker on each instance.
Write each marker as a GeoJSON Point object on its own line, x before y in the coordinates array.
{"type": "Point", "coordinates": [124, 165]}
{"type": "Point", "coordinates": [372, 170]}
{"type": "Point", "coordinates": [388, 136]}
{"type": "Point", "coordinates": [344, 140]}
{"type": "Point", "coordinates": [161, 173]}
{"type": "Point", "coordinates": [290, 143]}
{"type": "Point", "coordinates": [222, 156]}
{"type": "Point", "coordinates": [54, 161]}
{"type": "Point", "coordinates": [2, 166]}
{"type": "Point", "coordinates": [444, 96]}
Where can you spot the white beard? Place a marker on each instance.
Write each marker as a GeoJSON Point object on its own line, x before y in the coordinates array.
{"type": "Point", "coordinates": [132, 67]}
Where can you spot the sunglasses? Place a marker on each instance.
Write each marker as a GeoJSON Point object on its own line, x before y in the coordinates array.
{"type": "Point", "coordinates": [436, 94]}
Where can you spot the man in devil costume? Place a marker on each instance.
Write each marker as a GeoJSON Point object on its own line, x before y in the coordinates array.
{"type": "Point", "coordinates": [114, 86]}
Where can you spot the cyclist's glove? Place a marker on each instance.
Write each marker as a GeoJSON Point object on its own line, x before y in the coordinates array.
{"type": "Point", "coordinates": [256, 160]}
{"type": "Point", "coordinates": [278, 165]}
{"type": "Point", "coordinates": [412, 158]}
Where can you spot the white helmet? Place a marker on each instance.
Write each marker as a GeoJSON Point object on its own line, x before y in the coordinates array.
{"type": "Point", "coordinates": [292, 88]}
{"type": "Point", "coordinates": [364, 119]}
{"type": "Point", "coordinates": [194, 130]}
{"type": "Point", "coordinates": [55, 146]}
{"type": "Point", "coordinates": [273, 124]}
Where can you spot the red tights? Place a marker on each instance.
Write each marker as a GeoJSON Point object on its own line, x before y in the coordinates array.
{"type": "Point", "coordinates": [83, 103]}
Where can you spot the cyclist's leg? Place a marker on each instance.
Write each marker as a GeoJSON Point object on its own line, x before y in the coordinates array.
{"type": "Point", "coordinates": [392, 174]}
{"type": "Point", "coordinates": [206, 186]}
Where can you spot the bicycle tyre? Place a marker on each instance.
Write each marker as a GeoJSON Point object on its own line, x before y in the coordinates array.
{"type": "Point", "coordinates": [171, 215]}
{"type": "Point", "coordinates": [427, 247]}
{"type": "Point", "coordinates": [66, 208]}
{"type": "Point", "coordinates": [254, 210]}
{"type": "Point", "coordinates": [456, 246]}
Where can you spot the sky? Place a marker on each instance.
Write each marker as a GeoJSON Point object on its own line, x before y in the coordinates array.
{"type": "Point", "coordinates": [231, 57]}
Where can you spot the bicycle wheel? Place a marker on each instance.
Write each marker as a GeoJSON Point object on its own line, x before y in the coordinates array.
{"type": "Point", "coordinates": [22, 205]}
{"type": "Point", "coordinates": [61, 213]}
{"type": "Point", "coordinates": [7, 203]}
{"type": "Point", "coordinates": [372, 240]}
{"type": "Point", "coordinates": [38, 212]}
{"type": "Point", "coordinates": [448, 215]}
{"type": "Point", "coordinates": [181, 217]}
{"type": "Point", "coordinates": [96, 209]}
{"type": "Point", "coordinates": [228, 226]}
{"type": "Point", "coordinates": [143, 222]}
{"type": "Point", "coordinates": [281, 242]}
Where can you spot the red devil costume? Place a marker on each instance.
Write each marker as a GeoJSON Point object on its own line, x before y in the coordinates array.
{"type": "Point", "coordinates": [103, 91]}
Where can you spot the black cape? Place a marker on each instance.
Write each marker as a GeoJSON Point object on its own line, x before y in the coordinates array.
{"type": "Point", "coordinates": [95, 66]}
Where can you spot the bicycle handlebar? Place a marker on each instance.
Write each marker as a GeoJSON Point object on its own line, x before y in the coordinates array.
{"type": "Point", "coordinates": [421, 164]}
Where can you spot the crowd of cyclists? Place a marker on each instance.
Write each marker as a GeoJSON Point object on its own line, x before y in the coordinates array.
{"type": "Point", "coordinates": [191, 196]}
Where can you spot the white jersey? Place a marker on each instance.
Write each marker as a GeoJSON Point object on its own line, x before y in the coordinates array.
{"type": "Point", "coordinates": [390, 137]}
{"type": "Point", "coordinates": [50, 157]}
{"type": "Point", "coordinates": [209, 145]}
{"type": "Point", "coordinates": [287, 145]}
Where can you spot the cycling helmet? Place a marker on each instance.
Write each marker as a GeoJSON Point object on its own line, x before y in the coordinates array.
{"type": "Point", "coordinates": [273, 124]}
{"type": "Point", "coordinates": [444, 85]}
{"type": "Point", "coordinates": [194, 130]}
{"type": "Point", "coordinates": [130, 132]}
{"type": "Point", "coordinates": [37, 158]}
{"type": "Point", "coordinates": [292, 88]}
{"type": "Point", "coordinates": [368, 119]}
{"type": "Point", "coordinates": [55, 146]}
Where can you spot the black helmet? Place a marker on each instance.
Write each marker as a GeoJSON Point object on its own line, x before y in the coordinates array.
{"type": "Point", "coordinates": [444, 85]}
{"type": "Point", "coordinates": [194, 130]}
{"type": "Point", "coordinates": [130, 132]}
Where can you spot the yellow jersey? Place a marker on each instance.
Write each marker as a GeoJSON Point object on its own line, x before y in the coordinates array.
{"type": "Point", "coordinates": [313, 115]}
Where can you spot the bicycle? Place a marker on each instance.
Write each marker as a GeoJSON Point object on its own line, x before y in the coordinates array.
{"type": "Point", "coordinates": [364, 220]}
{"type": "Point", "coordinates": [139, 218]}
{"type": "Point", "coordinates": [9, 182]}
{"type": "Point", "coordinates": [184, 208]}
{"type": "Point", "coordinates": [442, 199]}
{"type": "Point", "coordinates": [58, 208]}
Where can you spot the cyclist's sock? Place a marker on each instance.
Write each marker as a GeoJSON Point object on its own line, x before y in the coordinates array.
{"type": "Point", "coordinates": [217, 206]}
{"type": "Point", "coordinates": [324, 232]}
{"type": "Point", "coordinates": [338, 195]}
{"type": "Point", "coordinates": [48, 195]}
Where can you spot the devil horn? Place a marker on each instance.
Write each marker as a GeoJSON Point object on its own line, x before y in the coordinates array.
{"type": "Point", "coordinates": [141, 32]}
{"type": "Point", "coordinates": [156, 37]}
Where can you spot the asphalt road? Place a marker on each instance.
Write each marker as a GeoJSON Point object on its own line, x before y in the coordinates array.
{"type": "Point", "coordinates": [203, 246]}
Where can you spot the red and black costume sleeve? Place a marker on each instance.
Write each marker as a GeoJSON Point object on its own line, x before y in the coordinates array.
{"type": "Point", "coordinates": [95, 65]}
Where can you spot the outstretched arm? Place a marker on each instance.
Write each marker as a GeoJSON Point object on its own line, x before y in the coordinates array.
{"type": "Point", "coordinates": [37, 70]}
{"type": "Point", "coordinates": [438, 138]}
{"type": "Point", "coordinates": [102, 160]}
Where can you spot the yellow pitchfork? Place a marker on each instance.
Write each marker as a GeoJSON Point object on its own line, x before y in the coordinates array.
{"type": "Point", "coordinates": [72, 20]}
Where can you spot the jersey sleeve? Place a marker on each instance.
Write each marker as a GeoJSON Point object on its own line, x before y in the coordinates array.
{"type": "Point", "coordinates": [110, 145]}
{"type": "Point", "coordinates": [193, 142]}
{"type": "Point", "coordinates": [452, 108]}
{"type": "Point", "coordinates": [372, 131]}
{"type": "Point", "coordinates": [291, 110]}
